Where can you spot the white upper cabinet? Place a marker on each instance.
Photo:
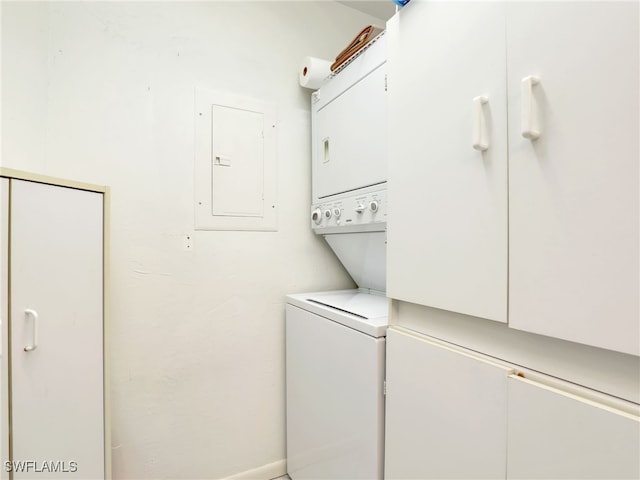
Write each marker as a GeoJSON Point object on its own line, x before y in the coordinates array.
{"type": "Point", "coordinates": [519, 156]}
{"type": "Point", "coordinates": [573, 192]}
{"type": "Point", "coordinates": [447, 237]}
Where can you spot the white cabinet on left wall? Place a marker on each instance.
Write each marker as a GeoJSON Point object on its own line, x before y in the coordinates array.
{"type": "Point", "coordinates": [54, 407]}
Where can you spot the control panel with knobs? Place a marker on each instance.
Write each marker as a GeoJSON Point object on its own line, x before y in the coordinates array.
{"type": "Point", "coordinates": [350, 211]}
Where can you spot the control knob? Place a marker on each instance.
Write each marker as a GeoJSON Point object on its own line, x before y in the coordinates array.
{"type": "Point", "coordinates": [360, 208]}
{"type": "Point", "coordinates": [316, 216]}
{"type": "Point", "coordinates": [373, 206]}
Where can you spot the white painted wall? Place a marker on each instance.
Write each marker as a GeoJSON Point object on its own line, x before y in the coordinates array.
{"type": "Point", "coordinates": [103, 92]}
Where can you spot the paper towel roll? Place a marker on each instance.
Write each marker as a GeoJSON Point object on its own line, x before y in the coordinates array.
{"type": "Point", "coordinates": [313, 71]}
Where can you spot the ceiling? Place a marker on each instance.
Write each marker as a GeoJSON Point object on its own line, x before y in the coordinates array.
{"type": "Point", "coordinates": [383, 9]}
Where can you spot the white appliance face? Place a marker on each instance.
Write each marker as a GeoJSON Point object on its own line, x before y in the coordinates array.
{"type": "Point", "coordinates": [364, 210]}
{"type": "Point", "coordinates": [350, 139]}
{"type": "Point", "coordinates": [348, 116]}
{"type": "Point", "coordinates": [335, 402]}
{"type": "Point", "coordinates": [354, 226]}
{"type": "Point", "coordinates": [349, 165]}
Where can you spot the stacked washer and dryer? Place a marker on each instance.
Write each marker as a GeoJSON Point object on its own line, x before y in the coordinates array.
{"type": "Point", "coordinates": [335, 341]}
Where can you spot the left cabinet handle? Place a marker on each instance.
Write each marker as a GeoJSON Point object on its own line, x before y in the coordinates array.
{"type": "Point", "coordinates": [32, 313]}
{"type": "Point", "coordinates": [480, 136]}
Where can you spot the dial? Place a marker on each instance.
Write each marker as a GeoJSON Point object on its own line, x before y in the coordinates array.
{"type": "Point", "coordinates": [327, 214]}
{"type": "Point", "coordinates": [373, 206]}
{"type": "Point", "coordinates": [316, 216]}
{"type": "Point", "coordinates": [337, 212]}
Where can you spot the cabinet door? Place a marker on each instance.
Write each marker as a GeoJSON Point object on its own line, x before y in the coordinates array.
{"type": "Point", "coordinates": [56, 272]}
{"type": "Point", "coordinates": [557, 435]}
{"type": "Point", "coordinates": [446, 412]}
{"type": "Point", "coordinates": [447, 223]}
{"type": "Point", "coordinates": [573, 192]}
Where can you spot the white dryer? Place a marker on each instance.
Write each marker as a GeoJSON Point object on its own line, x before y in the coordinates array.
{"type": "Point", "coordinates": [335, 341]}
{"type": "Point", "coordinates": [349, 165]}
{"type": "Point", "coordinates": [335, 347]}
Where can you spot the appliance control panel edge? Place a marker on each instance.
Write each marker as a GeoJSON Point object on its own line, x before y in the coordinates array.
{"type": "Point", "coordinates": [357, 209]}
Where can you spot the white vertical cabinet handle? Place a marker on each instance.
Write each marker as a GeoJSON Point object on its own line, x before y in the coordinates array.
{"type": "Point", "coordinates": [530, 124]}
{"type": "Point", "coordinates": [480, 137]}
{"type": "Point", "coordinates": [32, 313]}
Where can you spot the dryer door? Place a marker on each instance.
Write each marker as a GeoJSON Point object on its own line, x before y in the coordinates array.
{"type": "Point", "coordinates": [349, 138]}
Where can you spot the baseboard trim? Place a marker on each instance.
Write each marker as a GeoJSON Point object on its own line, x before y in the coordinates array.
{"type": "Point", "coordinates": [265, 472]}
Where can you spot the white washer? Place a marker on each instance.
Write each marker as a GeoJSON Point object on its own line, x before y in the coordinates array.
{"type": "Point", "coordinates": [335, 347]}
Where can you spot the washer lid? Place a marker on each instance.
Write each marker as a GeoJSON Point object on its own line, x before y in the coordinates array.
{"type": "Point", "coordinates": [358, 309]}
{"type": "Point", "coordinates": [356, 303]}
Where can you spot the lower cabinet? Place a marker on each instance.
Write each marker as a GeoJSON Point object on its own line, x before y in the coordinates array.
{"type": "Point", "coordinates": [446, 412]}
{"type": "Point", "coordinates": [556, 434]}
{"type": "Point", "coordinates": [452, 413]}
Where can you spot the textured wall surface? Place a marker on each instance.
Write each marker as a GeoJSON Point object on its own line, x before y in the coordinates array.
{"type": "Point", "coordinates": [103, 92]}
